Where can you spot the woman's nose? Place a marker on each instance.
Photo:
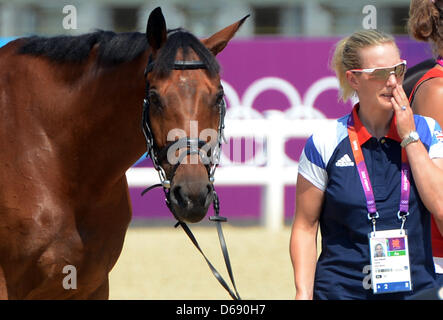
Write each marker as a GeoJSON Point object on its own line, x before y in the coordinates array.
{"type": "Point", "coordinates": [392, 80]}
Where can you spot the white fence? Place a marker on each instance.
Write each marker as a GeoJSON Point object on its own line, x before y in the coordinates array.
{"type": "Point", "coordinates": [276, 172]}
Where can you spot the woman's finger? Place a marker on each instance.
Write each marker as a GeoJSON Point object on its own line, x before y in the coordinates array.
{"type": "Point", "coordinates": [402, 92]}
{"type": "Point", "coordinates": [395, 105]}
{"type": "Point", "coordinates": [399, 98]}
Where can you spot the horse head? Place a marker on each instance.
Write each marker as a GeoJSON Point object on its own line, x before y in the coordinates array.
{"type": "Point", "coordinates": [184, 111]}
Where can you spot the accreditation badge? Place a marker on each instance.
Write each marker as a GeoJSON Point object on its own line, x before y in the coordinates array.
{"type": "Point", "coordinates": [391, 270]}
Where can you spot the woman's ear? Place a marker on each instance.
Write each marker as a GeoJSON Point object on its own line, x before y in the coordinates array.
{"type": "Point", "coordinates": [353, 80]}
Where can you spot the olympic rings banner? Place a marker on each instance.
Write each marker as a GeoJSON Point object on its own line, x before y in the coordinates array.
{"type": "Point", "coordinates": [270, 79]}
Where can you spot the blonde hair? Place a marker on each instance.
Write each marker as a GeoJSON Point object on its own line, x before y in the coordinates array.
{"type": "Point", "coordinates": [347, 55]}
{"type": "Point", "coordinates": [426, 21]}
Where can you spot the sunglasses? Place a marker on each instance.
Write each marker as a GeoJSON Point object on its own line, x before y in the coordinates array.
{"type": "Point", "coordinates": [383, 73]}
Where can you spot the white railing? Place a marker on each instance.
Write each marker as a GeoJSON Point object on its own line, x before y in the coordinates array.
{"type": "Point", "coordinates": [276, 173]}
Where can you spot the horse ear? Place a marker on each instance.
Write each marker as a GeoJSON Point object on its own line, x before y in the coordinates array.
{"type": "Point", "coordinates": [156, 30]}
{"type": "Point", "coordinates": [218, 41]}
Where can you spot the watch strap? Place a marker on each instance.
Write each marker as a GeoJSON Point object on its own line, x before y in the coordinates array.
{"type": "Point", "coordinates": [412, 137]}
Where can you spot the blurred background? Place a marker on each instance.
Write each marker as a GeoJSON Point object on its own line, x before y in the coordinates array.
{"type": "Point", "coordinates": [279, 88]}
{"type": "Point", "coordinates": [289, 18]}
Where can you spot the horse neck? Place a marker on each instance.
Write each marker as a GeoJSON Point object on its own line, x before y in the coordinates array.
{"type": "Point", "coordinates": [110, 104]}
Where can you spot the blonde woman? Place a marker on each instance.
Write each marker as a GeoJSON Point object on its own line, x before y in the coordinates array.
{"type": "Point", "coordinates": [426, 24]}
{"type": "Point", "coordinates": [379, 190]}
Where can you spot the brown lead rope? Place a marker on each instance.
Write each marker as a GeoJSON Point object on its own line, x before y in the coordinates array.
{"type": "Point", "coordinates": [217, 219]}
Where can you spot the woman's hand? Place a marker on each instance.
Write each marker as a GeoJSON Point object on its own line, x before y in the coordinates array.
{"type": "Point", "coordinates": [403, 112]}
{"type": "Point", "coordinates": [427, 173]}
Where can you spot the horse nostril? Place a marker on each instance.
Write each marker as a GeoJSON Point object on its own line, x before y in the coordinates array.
{"type": "Point", "coordinates": [180, 197]}
{"type": "Point", "coordinates": [186, 200]}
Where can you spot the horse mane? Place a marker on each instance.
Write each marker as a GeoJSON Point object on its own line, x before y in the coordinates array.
{"type": "Point", "coordinates": [115, 48]}
{"type": "Point", "coordinates": [181, 39]}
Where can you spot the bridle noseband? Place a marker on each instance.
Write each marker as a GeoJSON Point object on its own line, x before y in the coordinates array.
{"type": "Point", "coordinates": [193, 146]}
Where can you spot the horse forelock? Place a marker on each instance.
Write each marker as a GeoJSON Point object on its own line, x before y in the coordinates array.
{"type": "Point", "coordinates": [180, 39]}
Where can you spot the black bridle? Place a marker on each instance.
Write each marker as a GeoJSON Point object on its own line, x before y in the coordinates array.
{"type": "Point", "coordinates": [210, 158]}
{"type": "Point", "coordinates": [194, 145]}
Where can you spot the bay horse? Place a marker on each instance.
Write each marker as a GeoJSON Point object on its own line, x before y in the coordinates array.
{"type": "Point", "coordinates": [71, 113]}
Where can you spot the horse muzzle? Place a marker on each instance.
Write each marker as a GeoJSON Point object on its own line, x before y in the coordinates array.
{"type": "Point", "coordinates": [190, 200]}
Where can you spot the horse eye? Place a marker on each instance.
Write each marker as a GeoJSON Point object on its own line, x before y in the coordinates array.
{"type": "Point", "coordinates": [154, 98]}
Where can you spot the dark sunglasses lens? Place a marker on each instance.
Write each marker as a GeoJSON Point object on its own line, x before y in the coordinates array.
{"type": "Point", "coordinates": [381, 73]}
{"type": "Point", "coordinates": [400, 70]}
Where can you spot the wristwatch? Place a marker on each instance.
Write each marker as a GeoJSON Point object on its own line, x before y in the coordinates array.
{"type": "Point", "coordinates": [412, 137]}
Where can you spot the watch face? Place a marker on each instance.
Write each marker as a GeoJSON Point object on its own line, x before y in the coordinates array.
{"type": "Point", "coordinates": [414, 135]}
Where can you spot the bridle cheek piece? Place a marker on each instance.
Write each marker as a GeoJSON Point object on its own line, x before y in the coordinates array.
{"type": "Point", "coordinates": [193, 146]}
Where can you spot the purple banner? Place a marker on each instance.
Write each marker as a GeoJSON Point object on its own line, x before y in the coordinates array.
{"type": "Point", "coordinates": [300, 66]}
{"type": "Point", "coordinates": [300, 71]}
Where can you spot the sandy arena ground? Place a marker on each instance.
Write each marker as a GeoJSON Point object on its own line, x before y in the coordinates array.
{"type": "Point", "coordinates": [162, 263]}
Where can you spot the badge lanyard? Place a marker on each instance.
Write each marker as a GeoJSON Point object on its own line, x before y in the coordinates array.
{"type": "Point", "coordinates": [403, 211]}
